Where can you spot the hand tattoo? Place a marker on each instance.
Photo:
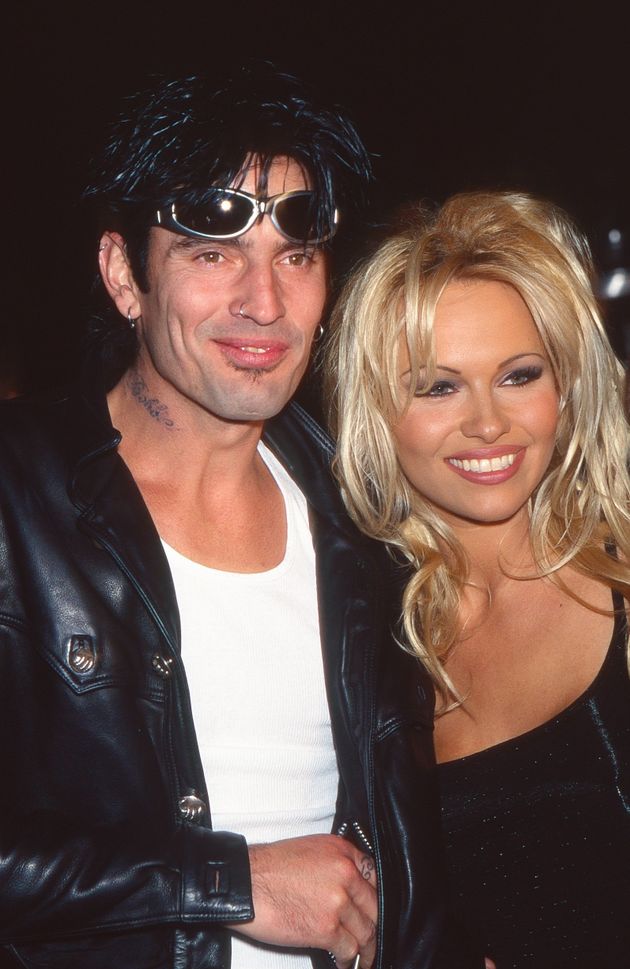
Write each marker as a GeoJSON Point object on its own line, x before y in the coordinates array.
{"type": "Point", "coordinates": [152, 405]}
{"type": "Point", "coordinates": [367, 867]}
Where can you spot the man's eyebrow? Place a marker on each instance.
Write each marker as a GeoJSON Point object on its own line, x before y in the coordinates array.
{"type": "Point", "coordinates": [280, 244]}
{"type": "Point", "coordinates": [188, 243]}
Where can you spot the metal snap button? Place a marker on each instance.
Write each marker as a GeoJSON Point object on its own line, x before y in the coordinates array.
{"type": "Point", "coordinates": [82, 654]}
{"type": "Point", "coordinates": [191, 807]}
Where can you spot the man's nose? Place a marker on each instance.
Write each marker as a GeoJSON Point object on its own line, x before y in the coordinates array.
{"type": "Point", "coordinates": [259, 297]}
{"type": "Point", "coordinates": [485, 419]}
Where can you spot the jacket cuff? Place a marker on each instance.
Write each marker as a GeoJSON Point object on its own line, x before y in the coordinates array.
{"type": "Point", "coordinates": [216, 877]}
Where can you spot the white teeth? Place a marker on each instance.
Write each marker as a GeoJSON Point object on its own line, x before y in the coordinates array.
{"type": "Point", "coordinates": [254, 349]}
{"type": "Point", "coordinates": [484, 465]}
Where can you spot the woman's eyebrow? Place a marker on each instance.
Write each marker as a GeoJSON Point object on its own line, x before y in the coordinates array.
{"type": "Point", "coordinates": [517, 356]}
{"type": "Point", "coordinates": [503, 363]}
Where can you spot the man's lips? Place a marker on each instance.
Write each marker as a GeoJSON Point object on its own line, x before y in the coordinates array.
{"type": "Point", "coordinates": [488, 465]}
{"type": "Point", "coordinates": [248, 352]}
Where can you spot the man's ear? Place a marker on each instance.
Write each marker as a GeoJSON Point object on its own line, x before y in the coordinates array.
{"type": "Point", "coordinates": [117, 275]}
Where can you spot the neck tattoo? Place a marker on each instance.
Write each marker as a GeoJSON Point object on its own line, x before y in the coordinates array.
{"type": "Point", "coordinates": [154, 408]}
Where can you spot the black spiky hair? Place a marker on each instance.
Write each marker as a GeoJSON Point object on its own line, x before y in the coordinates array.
{"type": "Point", "coordinates": [178, 139]}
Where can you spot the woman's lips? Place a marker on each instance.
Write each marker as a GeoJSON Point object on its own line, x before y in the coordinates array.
{"type": "Point", "coordinates": [487, 467]}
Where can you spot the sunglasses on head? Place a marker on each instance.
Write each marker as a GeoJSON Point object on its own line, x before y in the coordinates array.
{"type": "Point", "coordinates": [228, 213]}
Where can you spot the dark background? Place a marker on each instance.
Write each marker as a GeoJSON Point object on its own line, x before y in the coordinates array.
{"type": "Point", "coordinates": [449, 96]}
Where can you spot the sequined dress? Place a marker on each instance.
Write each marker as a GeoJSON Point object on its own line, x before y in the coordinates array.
{"type": "Point", "coordinates": [538, 833]}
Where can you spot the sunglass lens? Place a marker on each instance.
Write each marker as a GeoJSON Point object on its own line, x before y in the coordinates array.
{"type": "Point", "coordinates": [223, 214]}
{"type": "Point", "coordinates": [296, 216]}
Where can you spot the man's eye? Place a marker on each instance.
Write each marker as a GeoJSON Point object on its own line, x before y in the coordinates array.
{"type": "Point", "coordinates": [211, 256]}
{"type": "Point", "coordinates": [300, 258]}
{"type": "Point", "coordinates": [523, 376]}
{"type": "Point", "coordinates": [441, 388]}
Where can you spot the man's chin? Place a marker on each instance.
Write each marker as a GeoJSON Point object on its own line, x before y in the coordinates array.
{"type": "Point", "coordinates": [253, 408]}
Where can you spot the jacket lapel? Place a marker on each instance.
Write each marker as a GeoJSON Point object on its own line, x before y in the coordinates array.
{"type": "Point", "coordinates": [344, 581]}
{"type": "Point", "coordinates": [112, 510]}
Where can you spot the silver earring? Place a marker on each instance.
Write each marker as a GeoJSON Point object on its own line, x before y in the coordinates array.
{"type": "Point", "coordinates": [319, 332]}
{"type": "Point", "coordinates": [130, 320]}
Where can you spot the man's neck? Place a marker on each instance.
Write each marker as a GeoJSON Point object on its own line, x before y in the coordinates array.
{"type": "Point", "coordinates": [164, 434]}
{"type": "Point", "coordinates": [209, 492]}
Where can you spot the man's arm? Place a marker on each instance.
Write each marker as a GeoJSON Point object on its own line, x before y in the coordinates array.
{"type": "Point", "coordinates": [317, 891]}
{"type": "Point", "coordinates": [57, 882]}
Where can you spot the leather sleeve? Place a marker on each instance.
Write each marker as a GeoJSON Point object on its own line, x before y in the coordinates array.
{"type": "Point", "coordinates": [89, 838]}
{"type": "Point", "coordinates": [56, 883]}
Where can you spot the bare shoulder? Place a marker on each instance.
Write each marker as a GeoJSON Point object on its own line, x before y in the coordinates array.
{"type": "Point", "coordinates": [540, 647]}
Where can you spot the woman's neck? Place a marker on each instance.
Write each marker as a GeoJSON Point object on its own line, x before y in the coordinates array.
{"type": "Point", "coordinates": [497, 551]}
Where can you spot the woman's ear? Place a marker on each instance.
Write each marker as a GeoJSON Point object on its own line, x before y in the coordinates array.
{"type": "Point", "coordinates": [117, 276]}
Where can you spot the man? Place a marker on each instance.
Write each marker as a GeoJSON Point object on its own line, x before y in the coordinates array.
{"type": "Point", "coordinates": [195, 640]}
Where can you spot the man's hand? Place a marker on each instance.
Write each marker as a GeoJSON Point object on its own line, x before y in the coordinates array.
{"type": "Point", "coordinates": [317, 892]}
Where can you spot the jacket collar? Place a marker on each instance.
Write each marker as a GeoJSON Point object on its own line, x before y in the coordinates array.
{"type": "Point", "coordinates": [297, 440]}
{"type": "Point", "coordinates": [111, 506]}
{"type": "Point", "coordinates": [113, 509]}
{"type": "Point", "coordinates": [306, 451]}
{"type": "Point", "coordinates": [113, 512]}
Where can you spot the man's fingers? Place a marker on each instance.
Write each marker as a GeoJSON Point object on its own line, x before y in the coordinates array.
{"type": "Point", "coordinates": [356, 963]}
{"type": "Point", "coordinates": [359, 918]}
{"type": "Point", "coordinates": [367, 868]}
{"type": "Point", "coordinates": [362, 890]}
{"type": "Point", "coordinates": [319, 892]}
{"type": "Point", "coordinates": [358, 947]}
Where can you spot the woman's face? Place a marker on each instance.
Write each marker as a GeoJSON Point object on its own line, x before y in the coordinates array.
{"type": "Point", "coordinates": [480, 440]}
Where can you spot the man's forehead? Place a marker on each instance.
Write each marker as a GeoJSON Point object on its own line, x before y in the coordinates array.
{"type": "Point", "coordinates": [271, 176]}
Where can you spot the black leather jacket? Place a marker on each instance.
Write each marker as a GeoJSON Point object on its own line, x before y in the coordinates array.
{"type": "Point", "coordinates": [107, 855]}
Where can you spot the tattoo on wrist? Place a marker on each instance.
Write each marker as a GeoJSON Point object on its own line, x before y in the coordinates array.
{"type": "Point", "coordinates": [152, 405]}
{"type": "Point", "coordinates": [367, 867]}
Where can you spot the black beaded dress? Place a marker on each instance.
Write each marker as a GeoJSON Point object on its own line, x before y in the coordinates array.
{"type": "Point", "coordinates": [538, 833]}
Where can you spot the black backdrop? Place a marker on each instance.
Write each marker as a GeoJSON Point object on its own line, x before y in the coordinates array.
{"type": "Point", "coordinates": [448, 96]}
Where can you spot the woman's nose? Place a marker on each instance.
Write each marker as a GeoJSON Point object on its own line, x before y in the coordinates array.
{"type": "Point", "coordinates": [486, 419]}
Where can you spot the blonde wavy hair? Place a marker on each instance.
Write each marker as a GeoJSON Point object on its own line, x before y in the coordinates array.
{"type": "Point", "coordinates": [582, 506]}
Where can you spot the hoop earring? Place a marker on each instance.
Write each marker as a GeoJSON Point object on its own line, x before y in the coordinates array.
{"type": "Point", "coordinates": [130, 320]}
{"type": "Point", "coordinates": [319, 332]}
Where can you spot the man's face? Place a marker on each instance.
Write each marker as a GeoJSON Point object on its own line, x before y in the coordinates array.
{"type": "Point", "coordinates": [227, 326]}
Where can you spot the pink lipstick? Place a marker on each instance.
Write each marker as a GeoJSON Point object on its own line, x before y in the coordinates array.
{"type": "Point", "coordinates": [487, 465]}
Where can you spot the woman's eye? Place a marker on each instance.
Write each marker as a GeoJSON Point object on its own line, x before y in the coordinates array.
{"type": "Point", "coordinates": [441, 388]}
{"type": "Point", "coordinates": [523, 376]}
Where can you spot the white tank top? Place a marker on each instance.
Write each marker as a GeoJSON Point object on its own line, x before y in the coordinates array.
{"type": "Point", "coordinates": [252, 653]}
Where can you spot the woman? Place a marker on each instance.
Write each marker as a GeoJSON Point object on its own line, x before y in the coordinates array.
{"type": "Point", "coordinates": [478, 408]}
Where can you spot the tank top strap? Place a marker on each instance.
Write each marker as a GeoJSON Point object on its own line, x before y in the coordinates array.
{"type": "Point", "coordinates": [620, 636]}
